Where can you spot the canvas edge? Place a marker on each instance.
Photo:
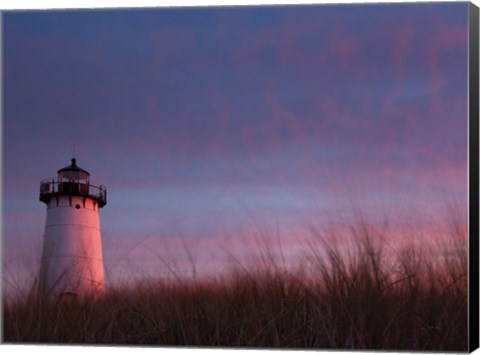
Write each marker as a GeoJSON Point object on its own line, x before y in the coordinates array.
{"type": "Point", "coordinates": [473, 341]}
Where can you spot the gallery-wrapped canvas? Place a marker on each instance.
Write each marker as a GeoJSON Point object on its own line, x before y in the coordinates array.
{"type": "Point", "coordinates": [299, 177]}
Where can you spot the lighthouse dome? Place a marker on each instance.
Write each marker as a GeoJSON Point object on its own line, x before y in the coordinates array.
{"type": "Point", "coordinates": [73, 179]}
{"type": "Point", "coordinates": [74, 169]}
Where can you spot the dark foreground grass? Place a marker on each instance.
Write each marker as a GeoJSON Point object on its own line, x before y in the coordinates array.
{"type": "Point", "coordinates": [361, 297]}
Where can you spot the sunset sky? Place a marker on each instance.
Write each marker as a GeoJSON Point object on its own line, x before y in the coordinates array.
{"type": "Point", "coordinates": [208, 125]}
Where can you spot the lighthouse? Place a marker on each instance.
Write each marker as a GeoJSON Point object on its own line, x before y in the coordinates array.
{"type": "Point", "coordinates": [72, 261]}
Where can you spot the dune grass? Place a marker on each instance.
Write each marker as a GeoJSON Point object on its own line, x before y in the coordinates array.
{"type": "Point", "coordinates": [356, 295]}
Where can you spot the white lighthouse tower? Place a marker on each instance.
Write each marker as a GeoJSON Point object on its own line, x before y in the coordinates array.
{"type": "Point", "coordinates": [72, 262]}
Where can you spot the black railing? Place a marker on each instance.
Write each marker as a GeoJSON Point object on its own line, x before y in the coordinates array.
{"type": "Point", "coordinates": [49, 187]}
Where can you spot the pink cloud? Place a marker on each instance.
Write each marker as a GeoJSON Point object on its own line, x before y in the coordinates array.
{"type": "Point", "coordinates": [342, 46]}
{"type": "Point", "coordinates": [403, 37]}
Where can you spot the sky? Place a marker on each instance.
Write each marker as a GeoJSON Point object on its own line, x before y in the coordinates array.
{"type": "Point", "coordinates": [213, 127]}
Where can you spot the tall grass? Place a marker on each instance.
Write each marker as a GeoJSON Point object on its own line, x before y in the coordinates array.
{"type": "Point", "coordinates": [358, 294]}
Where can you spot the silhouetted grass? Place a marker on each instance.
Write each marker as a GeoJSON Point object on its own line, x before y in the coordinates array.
{"type": "Point", "coordinates": [357, 294]}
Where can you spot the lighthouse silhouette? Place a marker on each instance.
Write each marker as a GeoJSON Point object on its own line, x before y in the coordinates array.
{"type": "Point", "coordinates": [72, 262]}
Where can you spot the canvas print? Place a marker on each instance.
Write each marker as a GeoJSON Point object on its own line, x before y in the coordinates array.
{"type": "Point", "coordinates": [290, 177]}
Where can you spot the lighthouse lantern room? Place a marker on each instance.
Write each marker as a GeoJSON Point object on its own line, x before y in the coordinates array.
{"type": "Point", "coordinates": [72, 261]}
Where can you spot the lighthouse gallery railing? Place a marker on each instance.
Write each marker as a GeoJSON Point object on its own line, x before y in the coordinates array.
{"type": "Point", "coordinates": [49, 187]}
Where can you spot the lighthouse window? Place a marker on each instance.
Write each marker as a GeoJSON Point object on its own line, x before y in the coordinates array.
{"type": "Point", "coordinates": [69, 176]}
{"type": "Point", "coordinates": [77, 206]}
